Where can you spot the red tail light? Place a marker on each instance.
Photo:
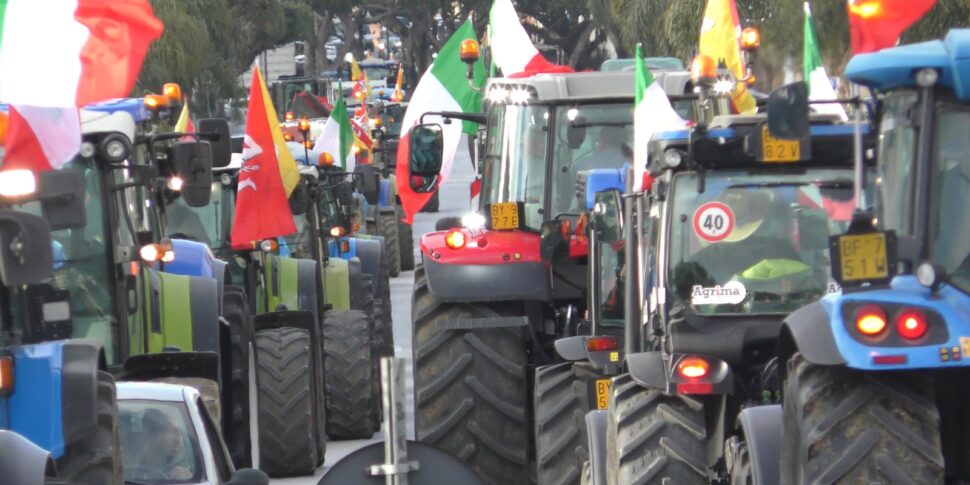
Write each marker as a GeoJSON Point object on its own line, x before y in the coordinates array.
{"type": "Point", "coordinates": [911, 324]}
{"type": "Point", "coordinates": [599, 344]}
{"type": "Point", "coordinates": [693, 367]}
{"type": "Point", "coordinates": [870, 320]}
{"type": "Point", "coordinates": [455, 239]}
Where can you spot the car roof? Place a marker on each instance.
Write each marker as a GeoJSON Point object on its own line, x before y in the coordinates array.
{"type": "Point", "coordinates": [153, 391]}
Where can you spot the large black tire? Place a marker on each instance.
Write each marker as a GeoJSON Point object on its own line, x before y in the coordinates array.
{"type": "Point", "coordinates": [405, 235]}
{"type": "Point", "coordinates": [349, 379]}
{"type": "Point", "coordinates": [561, 403]}
{"type": "Point", "coordinates": [387, 227]}
{"type": "Point", "coordinates": [96, 458]}
{"type": "Point", "coordinates": [846, 426]}
{"type": "Point", "coordinates": [362, 294]}
{"type": "Point", "coordinates": [287, 419]}
{"type": "Point", "coordinates": [235, 419]}
{"type": "Point", "coordinates": [432, 205]}
{"type": "Point", "coordinates": [470, 387]}
{"type": "Point", "coordinates": [652, 437]}
{"type": "Point", "coordinates": [384, 333]}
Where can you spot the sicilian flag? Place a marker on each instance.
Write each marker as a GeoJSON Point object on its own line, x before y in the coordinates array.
{"type": "Point", "coordinates": [878, 24]}
{"type": "Point", "coordinates": [337, 137]}
{"type": "Point", "coordinates": [652, 113]}
{"type": "Point", "coordinates": [443, 87]}
{"type": "Point", "coordinates": [95, 55]}
{"type": "Point", "coordinates": [819, 87]}
{"type": "Point", "coordinates": [512, 50]}
{"type": "Point", "coordinates": [266, 178]}
{"type": "Point", "coordinates": [721, 40]}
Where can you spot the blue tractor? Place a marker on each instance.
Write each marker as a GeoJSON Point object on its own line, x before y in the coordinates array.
{"type": "Point", "coordinates": [875, 375]}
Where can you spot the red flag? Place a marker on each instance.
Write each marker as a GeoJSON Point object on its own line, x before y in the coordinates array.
{"type": "Point", "coordinates": [877, 24]}
{"type": "Point", "coordinates": [262, 209]}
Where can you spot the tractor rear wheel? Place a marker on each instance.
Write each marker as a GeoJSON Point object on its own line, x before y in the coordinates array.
{"type": "Point", "coordinates": [470, 386]}
{"type": "Point", "coordinates": [235, 420]}
{"type": "Point", "coordinates": [387, 227]}
{"type": "Point", "coordinates": [561, 403]}
{"type": "Point", "coordinates": [95, 458]}
{"type": "Point", "coordinates": [846, 426]}
{"type": "Point", "coordinates": [405, 234]}
{"type": "Point", "coordinates": [287, 419]}
{"type": "Point", "coordinates": [349, 381]}
{"type": "Point", "coordinates": [652, 437]}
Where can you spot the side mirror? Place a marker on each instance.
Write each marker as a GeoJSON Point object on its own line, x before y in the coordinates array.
{"type": "Point", "coordinates": [368, 183]}
{"type": "Point", "coordinates": [788, 111]}
{"type": "Point", "coordinates": [299, 199]}
{"type": "Point", "coordinates": [248, 476]}
{"type": "Point", "coordinates": [61, 195]}
{"type": "Point", "coordinates": [192, 161]}
{"type": "Point", "coordinates": [26, 255]}
{"type": "Point", "coordinates": [216, 132]}
{"type": "Point", "coordinates": [553, 238]}
{"type": "Point", "coordinates": [425, 156]}
{"type": "Point", "coordinates": [607, 218]}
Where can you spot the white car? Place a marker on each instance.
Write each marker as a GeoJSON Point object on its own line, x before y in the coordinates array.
{"type": "Point", "coordinates": [168, 437]}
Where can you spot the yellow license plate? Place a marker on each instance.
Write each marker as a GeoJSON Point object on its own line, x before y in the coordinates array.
{"type": "Point", "coordinates": [505, 215]}
{"type": "Point", "coordinates": [602, 393]}
{"type": "Point", "coordinates": [778, 150]}
{"type": "Point", "coordinates": [863, 257]}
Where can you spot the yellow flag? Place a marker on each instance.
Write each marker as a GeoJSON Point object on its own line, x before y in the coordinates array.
{"type": "Point", "coordinates": [184, 123]}
{"type": "Point", "coordinates": [354, 70]}
{"type": "Point", "coordinates": [289, 172]}
{"type": "Point", "coordinates": [720, 39]}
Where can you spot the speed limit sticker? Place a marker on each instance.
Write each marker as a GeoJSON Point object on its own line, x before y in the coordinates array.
{"type": "Point", "coordinates": [713, 221]}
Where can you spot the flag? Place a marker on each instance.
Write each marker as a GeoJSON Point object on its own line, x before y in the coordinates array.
{"type": "Point", "coordinates": [262, 205]}
{"type": "Point", "coordinates": [337, 137]}
{"type": "Point", "coordinates": [184, 123]}
{"type": "Point", "coordinates": [289, 172]}
{"type": "Point", "coordinates": [443, 87]}
{"type": "Point", "coordinates": [398, 87]}
{"type": "Point", "coordinates": [41, 138]}
{"type": "Point", "coordinates": [877, 24]}
{"type": "Point", "coordinates": [355, 72]}
{"type": "Point", "coordinates": [72, 52]}
{"type": "Point", "coordinates": [652, 113]}
{"type": "Point", "coordinates": [512, 50]}
{"type": "Point", "coordinates": [720, 39]}
{"type": "Point", "coordinates": [819, 86]}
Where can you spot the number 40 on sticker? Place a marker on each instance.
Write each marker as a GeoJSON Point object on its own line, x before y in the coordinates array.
{"type": "Point", "coordinates": [713, 221]}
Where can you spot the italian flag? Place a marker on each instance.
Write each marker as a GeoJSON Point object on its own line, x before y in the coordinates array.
{"type": "Point", "coordinates": [819, 87]}
{"type": "Point", "coordinates": [443, 87]}
{"type": "Point", "coordinates": [652, 113]}
{"type": "Point", "coordinates": [337, 137]}
{"type": "Point", "coordinates": [56, 55]}
{"type": "Point", "coordinates": [512, 50]}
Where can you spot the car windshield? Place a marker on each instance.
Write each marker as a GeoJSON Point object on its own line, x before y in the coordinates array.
{"type": "Point", "coordinates": [158, 443]}
{"type": "Point", "coordinates": [517, 138]}
{"type": "Point", "coordinates": [755, 243]}
{"type": "Point", "coordinates": [950, 197]}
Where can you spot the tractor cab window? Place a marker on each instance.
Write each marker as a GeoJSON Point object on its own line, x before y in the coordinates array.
{"type": "Point", "coordinates": [611, 277]}
{"type": "Point", "coordinates": [949, 226]}
{"type": "Point", "coordinates": [202, 224]}
{"type": "Point", "coordinates": [897, 154]}
{"type": "Point", "coordinates": [755, 243]}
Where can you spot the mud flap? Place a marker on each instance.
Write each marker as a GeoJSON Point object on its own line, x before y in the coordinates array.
{"type": "Point", "coordinates": [762, 432]}
{"type": "Point", "coordinates": [23, 462]}
{"type": "Point", "coordinates": [596, 434]}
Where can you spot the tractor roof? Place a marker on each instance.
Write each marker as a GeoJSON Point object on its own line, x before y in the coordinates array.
{"type": "Point", "coordinates": [897, 66]}
{"type": "Point", "coordinates": [588, 85]}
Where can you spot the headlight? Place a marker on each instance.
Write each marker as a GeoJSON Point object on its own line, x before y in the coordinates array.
{"type": "Point", "coordinates": [473, 220]}
{"type": "Point", "coordinates": [17, 183]}
{"type": "Point", "coordinates": [673, 157]}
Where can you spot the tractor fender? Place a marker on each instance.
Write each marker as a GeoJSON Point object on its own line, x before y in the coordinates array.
{"type": "Point", "coordinates": [187, 313]}
{"type": "Point", "coordinates": [306, 285]}
{"type": "Point", "coordinates": [145, 367]}
{"type": "Point", "coordinates": [651, 370]}
{"type": "Point", "coordinates": [761, 426]}
{"type": "Point", "coordinates": [487, 282]}
{"type": "Point", "coordinates": [571, 348]}
{"type": "Point", "coordinates": [369, 251]}
{"type": "Point", "coordinates": [386, 194]}
{"type": "Point", "coordinates": [336, 275]}
{"type": "Point", "coordinates": [574, 349]}
{"type": "Point", "coordinates": [79, 383]}
{"type": "Point", "coordinates": [191, 259]}
{"type": "Point", "coordinates": [809, 331]}
{"type": "Point", "coordinates": [220, 271]}
{"type": "Point", "coordinates": [596, 441]}
{"type": "Point", "coordinates": [22, 461]}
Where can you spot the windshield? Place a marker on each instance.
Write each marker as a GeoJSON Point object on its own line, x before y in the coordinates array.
{"type": "Point", "coordinates": [518, 138]}
{"type": "Point", "coordinates": [207, 224]}
{"type": "Point", "coordinates": [158, 443]}
{"type": "Point", "coordinates": [950, 197]}
{"type": "Point", "coordinates": [612, 274]}
{"type": "Point", "coordinates": [755, 243]}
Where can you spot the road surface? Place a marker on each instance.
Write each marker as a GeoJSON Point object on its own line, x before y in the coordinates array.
{"type": "Point", "coordinates": [454, 202]}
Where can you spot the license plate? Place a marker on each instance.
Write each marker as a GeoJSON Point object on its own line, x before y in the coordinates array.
{"type": "Point", "coordinates": [505, 215]}
{"type": "Point", "coordinates": [863, 257]}
{"type": "Point", "coordinates": [778, 150]}
{"type": "Point", "coordinates": [602, 393]}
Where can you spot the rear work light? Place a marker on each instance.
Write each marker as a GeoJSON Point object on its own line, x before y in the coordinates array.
{"type": "Point", "coordinates": [599, 344]}
{"type": "Point", "coordinates": [693, 367]}
{"type": "Point", "coordinates": [911, 324]}
{"type": "Point", "coordinates": [870, 320]}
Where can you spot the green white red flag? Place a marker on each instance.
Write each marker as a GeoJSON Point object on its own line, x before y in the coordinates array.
{"type": "Point", "coordinates": [819, 86]}
{"type": "Point", "coordinates": [652, 113]}
{"type": "Point", "coordinates": [512, 50]}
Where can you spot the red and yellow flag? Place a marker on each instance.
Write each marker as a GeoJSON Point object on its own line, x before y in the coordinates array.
{"type": "Point", "coordinates": [184, 123]}
{"type": "Point", "coordinates": [721, 40]}
{"type": "Point", "coordinates": [268, 175]}
{"type": "Point", "coordinates": [398, 87]}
